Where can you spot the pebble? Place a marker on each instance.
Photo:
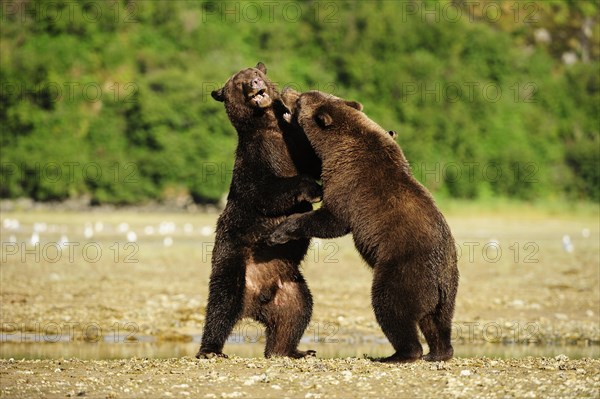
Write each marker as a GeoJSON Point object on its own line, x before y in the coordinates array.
{"type": "Point", "coordinates": [561, 358]}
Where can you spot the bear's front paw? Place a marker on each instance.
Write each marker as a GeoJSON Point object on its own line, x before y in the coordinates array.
{"type": "Point", "coordinates": [278, 237]}
{"type": "Point", "coordinates": [285, 232]}
{"type": "Point", "coordinates": [310, 191]}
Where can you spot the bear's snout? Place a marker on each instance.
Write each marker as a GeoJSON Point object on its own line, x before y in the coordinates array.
{"type": "Point", "coordinates": [254, 87]}
{"type": "Point", "coordinates": [257, 83]}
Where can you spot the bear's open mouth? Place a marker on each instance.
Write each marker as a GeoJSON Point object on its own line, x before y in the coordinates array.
{"type": "Point", "coordinates": [259, 96]}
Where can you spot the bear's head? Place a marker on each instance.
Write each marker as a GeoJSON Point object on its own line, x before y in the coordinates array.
{"type": "Point", "coordinates": [247, 94]}
{"type": "Point", "coordinates": [290, 99]}
{"type": "Point", "coordinates": [287, 104]}
{"type": "Point", "coordinates": [328, 121]}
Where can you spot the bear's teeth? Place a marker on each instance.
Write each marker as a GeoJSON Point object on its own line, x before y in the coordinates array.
{"type": "Point", "coordinates": [287, 117]}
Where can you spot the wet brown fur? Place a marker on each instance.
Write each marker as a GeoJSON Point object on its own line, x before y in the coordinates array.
{"type": "Point", "coordinates": [249, 278]}
{"type": "Point", "coordinates": [368, 190]}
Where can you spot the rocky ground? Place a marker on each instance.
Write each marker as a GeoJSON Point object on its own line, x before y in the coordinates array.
{"type": "Point", "coordinates": [526, 277]}
{"type": "Point", "coordinates": [310, 378]}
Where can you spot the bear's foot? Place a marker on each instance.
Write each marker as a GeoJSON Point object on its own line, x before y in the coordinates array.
{"type": "Point", "coordinates": [210, 355]}
{"type": "Point", "coordinates": [400, 358]}
{"type": "Point", "coordinates": [303, 354]}
{"type": "Point", "coordinates": [294, 355]}
{"type": "Point", "coordinates": [396, 359]}
{"type": "Point", "coordinates": [438, 356]}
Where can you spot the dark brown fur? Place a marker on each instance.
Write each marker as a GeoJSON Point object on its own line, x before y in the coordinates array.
{"type": "Point", "coordinates": [248, 277]}
{"type": "Point", "coordinates": [368, 189]}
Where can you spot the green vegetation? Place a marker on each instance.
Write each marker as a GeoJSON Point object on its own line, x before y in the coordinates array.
{"type": "Point", "coordinates": [112, 100]}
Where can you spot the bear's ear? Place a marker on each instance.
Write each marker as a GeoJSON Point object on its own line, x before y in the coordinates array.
{"type": "Point", "coordinates": [261, 67]}
{"type": "Point", "coordinates": [393, 134]}
{"type": "Point", "coordinates": [218, 95]}
{"type": "Point", "coordinates": [355, 105]}
{"type": "Point", "coordinates": [323, 119]}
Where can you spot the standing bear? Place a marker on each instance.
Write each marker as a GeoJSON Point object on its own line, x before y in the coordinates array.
{"type": "Point", "coordinates": [248, 277]}
{"type": "Point", "coordinates": [368, 190]}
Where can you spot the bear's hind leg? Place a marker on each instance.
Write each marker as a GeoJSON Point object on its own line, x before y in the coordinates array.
{"type": "Point", "coordinates": [286, 318]}
{"type": "Point", "coordinates": [398, 320]}
{"type": "Point", "coordinates": [437, 329]}
{"type": "Point", "coordinates": [432, 336]}
{"type": "Point", "coordinates": [404, 337]}
{"type": "Point", "coordinates": [225, 305]}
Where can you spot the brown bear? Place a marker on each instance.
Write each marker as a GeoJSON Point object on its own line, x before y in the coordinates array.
{"type": "Point", "coordinates": [248, 277]}
{"type": "Point", "coordinates": [368, 190]}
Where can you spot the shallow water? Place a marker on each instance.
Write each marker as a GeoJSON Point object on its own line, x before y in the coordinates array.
{"type": "Point", "coordinates": [159, 350]}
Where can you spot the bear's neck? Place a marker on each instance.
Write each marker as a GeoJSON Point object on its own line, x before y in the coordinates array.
{"type": "Point", "coordinates": [252, 124]}
{"type": "Point", "coordinates": [266, 154]}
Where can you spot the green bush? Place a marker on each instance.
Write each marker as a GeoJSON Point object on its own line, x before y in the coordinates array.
{"type": "Point", "coordinates": [117, 107]}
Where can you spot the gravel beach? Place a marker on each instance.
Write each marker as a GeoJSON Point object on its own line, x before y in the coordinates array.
{"type": "Point", "coordinates": [526, 302]}
{"type": "Point", "coordinates": [308, 378]}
